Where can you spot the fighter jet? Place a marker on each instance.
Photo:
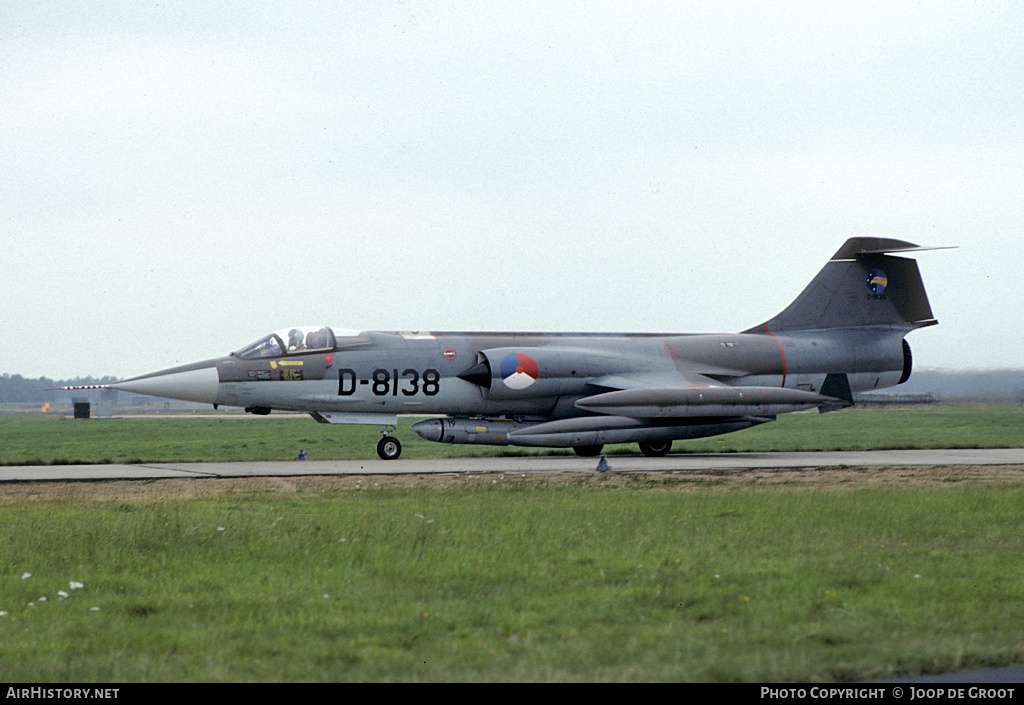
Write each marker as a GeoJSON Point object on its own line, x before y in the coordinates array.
{"type": "Point", "coordinates": [844, 333]}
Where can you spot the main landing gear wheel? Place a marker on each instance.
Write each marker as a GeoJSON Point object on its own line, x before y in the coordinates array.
{"type": "Point", "coordinates": [588, 451]}
{"type": "Point", "coordinates": [655, 449]}
{"type": "Point", "coordinates": [388, 448]}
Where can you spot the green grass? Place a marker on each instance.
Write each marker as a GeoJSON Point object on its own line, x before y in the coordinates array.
{"type": "Point", "coordinates": [511, 579]}
{"type": "Point", "coordinates": [46, 440]}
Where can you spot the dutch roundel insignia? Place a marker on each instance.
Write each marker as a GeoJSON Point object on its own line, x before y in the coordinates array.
{"type": "Point", "coordinates": [519, 371]}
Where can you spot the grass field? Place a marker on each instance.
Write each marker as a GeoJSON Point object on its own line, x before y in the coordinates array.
{"type": "Point", "coordinates": [46, 440]}
{"type": "Point", "coordinates": [509, 578]}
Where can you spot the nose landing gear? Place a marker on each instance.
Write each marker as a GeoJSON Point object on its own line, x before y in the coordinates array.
{"type": "Point", "coordinates": [388, 447]}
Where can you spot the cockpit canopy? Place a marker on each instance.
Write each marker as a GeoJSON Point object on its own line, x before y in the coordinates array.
{"type": "Point", "coordinates": [296, 341]}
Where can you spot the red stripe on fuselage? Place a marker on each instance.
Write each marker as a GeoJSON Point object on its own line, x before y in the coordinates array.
{"type": "Point", "coordinates": [781, 350]}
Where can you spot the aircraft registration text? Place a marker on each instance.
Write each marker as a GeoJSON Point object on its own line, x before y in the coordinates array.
{"type": "Point", "coordinates": [384, 382]}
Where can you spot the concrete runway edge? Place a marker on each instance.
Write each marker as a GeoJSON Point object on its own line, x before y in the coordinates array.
{"type": "Point", "coordinates": [530, 464]}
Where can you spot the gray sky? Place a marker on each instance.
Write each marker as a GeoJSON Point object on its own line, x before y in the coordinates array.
{"type": "Point", "coordinates": [179, 178]}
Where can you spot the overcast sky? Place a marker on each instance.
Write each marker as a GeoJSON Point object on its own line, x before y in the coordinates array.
{"type": "Point", "coordinates": [179, 178]}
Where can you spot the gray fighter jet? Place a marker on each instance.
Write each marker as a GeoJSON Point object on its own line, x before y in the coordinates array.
{"type": "Point", "coordinates": [843, 334]}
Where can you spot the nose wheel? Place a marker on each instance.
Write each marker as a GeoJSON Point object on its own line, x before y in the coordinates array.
{"type": "Point", "coordinates": [388, 448]}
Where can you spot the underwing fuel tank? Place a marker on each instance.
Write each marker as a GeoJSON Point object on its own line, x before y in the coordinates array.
{"type": "Point", "coordinates": [489, 432]}
{"type": "Point", "coordinates": [572, 432]}
{"type": "Point", "coordinates": [597, 431]}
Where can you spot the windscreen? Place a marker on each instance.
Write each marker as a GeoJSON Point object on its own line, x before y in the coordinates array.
{"type": "Point", "coordinates": [291, 341]}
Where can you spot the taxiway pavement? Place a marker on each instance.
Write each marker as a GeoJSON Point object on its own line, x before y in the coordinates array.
{"type": "Point", "coordinates": [530, 464]}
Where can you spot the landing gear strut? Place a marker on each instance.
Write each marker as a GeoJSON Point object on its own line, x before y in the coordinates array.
{"type": "Point", "coordinates": [388, 447]}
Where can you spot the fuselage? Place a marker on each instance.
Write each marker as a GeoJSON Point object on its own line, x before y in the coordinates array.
{"type": "Point", "coordinates": [396, 373]}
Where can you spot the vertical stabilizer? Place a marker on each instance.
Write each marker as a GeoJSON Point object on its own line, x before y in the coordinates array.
{"type": "Point", "coordinates": [860, 286]}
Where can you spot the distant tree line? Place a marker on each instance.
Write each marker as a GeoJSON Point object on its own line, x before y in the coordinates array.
{"type": "Point", "coordinates": [15, 389]}
{"type": "Point", "coordinates": [965, 385]}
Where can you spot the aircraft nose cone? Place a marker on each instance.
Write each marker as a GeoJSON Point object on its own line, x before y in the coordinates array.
{"type": "Point", "coordinates": [198, 385]}
{"type": "Point", "coordinates": [430, 430]}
